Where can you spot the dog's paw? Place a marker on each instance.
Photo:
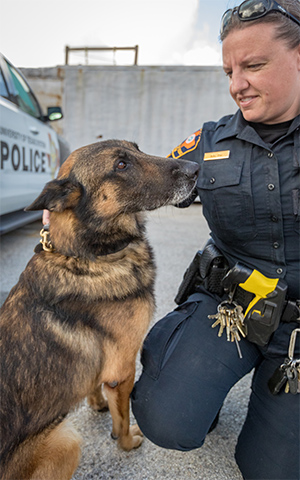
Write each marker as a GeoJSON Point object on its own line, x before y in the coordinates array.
{"type": "Point", "coordinates": [133, 440]}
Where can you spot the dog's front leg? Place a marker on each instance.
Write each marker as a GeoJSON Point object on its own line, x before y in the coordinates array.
{"type": "Point", "coordinates": [118, 403]}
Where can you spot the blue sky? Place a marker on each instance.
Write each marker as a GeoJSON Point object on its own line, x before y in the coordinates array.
{"type": "Point", "coordinates": [34, 33]}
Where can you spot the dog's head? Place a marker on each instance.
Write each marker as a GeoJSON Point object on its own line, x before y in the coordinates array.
{"type": "Point", "coordinates": [113, 177]}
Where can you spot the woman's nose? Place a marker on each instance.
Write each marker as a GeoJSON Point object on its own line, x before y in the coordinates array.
{"type": "Point", "coordinates": [238, 83]}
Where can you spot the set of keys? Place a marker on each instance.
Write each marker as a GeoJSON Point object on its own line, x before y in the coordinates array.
{"type": "Point", "coordinates": [231, 319]}
{"type": "Point", "coordinates": [287, 374]}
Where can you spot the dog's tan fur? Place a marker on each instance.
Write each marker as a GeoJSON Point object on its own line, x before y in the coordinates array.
{"type": "Point", "coordinates": [78, 315]}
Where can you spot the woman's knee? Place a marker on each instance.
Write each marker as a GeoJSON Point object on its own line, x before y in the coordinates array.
{"type": "Point", "coordinates": [167, 420]}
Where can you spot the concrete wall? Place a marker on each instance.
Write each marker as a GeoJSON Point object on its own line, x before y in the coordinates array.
{"type": "Point", "coordinates": [158, 107]}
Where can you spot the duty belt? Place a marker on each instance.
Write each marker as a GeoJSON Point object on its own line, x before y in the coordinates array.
{"type": "Point", "coordinates": [291, 311]}
{"type": "Point", "coordinates": [254, 304]}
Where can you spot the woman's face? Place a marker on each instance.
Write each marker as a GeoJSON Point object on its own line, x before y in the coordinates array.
{"type": "Point", "coordinates": [264, 74]}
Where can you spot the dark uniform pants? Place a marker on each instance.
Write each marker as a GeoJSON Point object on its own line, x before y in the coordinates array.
{"type": "Point", "coordinates": [188, 371]}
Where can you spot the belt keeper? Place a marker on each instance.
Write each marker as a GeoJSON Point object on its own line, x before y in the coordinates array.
{"type": "Point", "coordinates": [291, 312]}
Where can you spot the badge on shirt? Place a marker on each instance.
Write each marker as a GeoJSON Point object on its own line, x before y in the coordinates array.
{"type": "Point", "coordinates": [188, 145]}
{"type": "Point", "coordinates": [216, 155]}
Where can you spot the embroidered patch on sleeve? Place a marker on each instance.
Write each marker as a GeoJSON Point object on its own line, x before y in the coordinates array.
{"type": "Point", "coordinates": [188, 145]}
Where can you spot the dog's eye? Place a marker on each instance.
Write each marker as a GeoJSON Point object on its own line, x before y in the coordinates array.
{"type": "Point", "coordinates": [121, 165]}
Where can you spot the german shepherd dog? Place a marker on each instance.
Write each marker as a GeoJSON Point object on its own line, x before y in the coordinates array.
{"type": "Point", "coordinates": [78, 315]}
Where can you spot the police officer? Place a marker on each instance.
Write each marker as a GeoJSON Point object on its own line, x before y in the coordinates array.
{"type": "Point", "coordinates": [249, 185]}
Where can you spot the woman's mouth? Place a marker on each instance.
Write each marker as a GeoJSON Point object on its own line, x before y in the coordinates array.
{"type": "Point", "coordinates": [245, 102]}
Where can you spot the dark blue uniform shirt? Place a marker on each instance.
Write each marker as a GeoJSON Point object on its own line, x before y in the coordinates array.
{"type": "Point", "coordinates": [250, 191]}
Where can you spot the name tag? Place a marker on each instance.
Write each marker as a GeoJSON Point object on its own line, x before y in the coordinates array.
{"type": "Point", "coordinates": [216, 155]}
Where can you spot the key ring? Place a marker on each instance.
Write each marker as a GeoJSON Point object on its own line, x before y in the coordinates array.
{"type": "Point", "coordinates": [292, 343]}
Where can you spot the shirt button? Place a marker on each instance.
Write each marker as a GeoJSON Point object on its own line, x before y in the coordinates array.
{"type": "Point", "coordinates": [271, 186]}
{"type": "Point", "coordinates": [270, 154]}
{"type": "Point", "coordinates": [279, 271]}
{"type": "Point", "coordinates": [275, 245]}
{"type": "Point", "coordinates": [212, 180]}
{"type": "Point", "coordinates": [274, 218]}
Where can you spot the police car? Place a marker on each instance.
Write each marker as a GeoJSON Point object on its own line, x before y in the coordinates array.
{"type": "Point", "coordinates": [30, 150]}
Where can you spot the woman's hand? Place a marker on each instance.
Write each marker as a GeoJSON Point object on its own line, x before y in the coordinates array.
{"type": "Point", "coordinates": [46, 217]}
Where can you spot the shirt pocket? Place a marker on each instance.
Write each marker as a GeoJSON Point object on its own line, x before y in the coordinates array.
{"type": "Point", "coordinates": [224, 187]}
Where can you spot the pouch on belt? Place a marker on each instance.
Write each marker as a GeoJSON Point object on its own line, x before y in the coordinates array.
{"type": "Point", "coordinates": [261, 297]}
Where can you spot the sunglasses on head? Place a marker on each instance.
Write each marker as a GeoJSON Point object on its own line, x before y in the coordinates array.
{"type": "Point", "coordinates": [254, 9]}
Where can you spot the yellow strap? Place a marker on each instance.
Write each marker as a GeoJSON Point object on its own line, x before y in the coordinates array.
{"type": "Point", "coordinates": [260, 285]}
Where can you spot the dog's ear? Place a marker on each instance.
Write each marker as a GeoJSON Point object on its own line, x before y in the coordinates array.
{"type": "Point", "coordinates": [57, 196]}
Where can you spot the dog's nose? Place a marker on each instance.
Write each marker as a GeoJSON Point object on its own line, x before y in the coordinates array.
{"type": "Point", "coordinates": [190, 169]}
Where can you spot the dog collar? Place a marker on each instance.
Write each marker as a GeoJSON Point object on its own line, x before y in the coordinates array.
{"type": "Point", "coordinates": [111, 251]}
{"type": "Point", "coordinates": [47, 246]}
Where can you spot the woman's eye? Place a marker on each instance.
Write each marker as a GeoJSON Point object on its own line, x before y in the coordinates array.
{"type": "Point", "coordinates": [121, 165]}
{"type": "Point", "coordinates": [257, 66]}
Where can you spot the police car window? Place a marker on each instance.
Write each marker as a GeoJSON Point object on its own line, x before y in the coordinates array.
{"type": "Point", "coordinates": [23, 95]}
{"type": "Point", "coordinates": [3, 89]}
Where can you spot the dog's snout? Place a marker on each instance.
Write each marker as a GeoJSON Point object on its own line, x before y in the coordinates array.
{"type": "Point", "coordinates": [190, 169]}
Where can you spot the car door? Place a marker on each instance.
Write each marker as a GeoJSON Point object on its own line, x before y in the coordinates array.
{"type": "Point", "coordinates": [29, 147]}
